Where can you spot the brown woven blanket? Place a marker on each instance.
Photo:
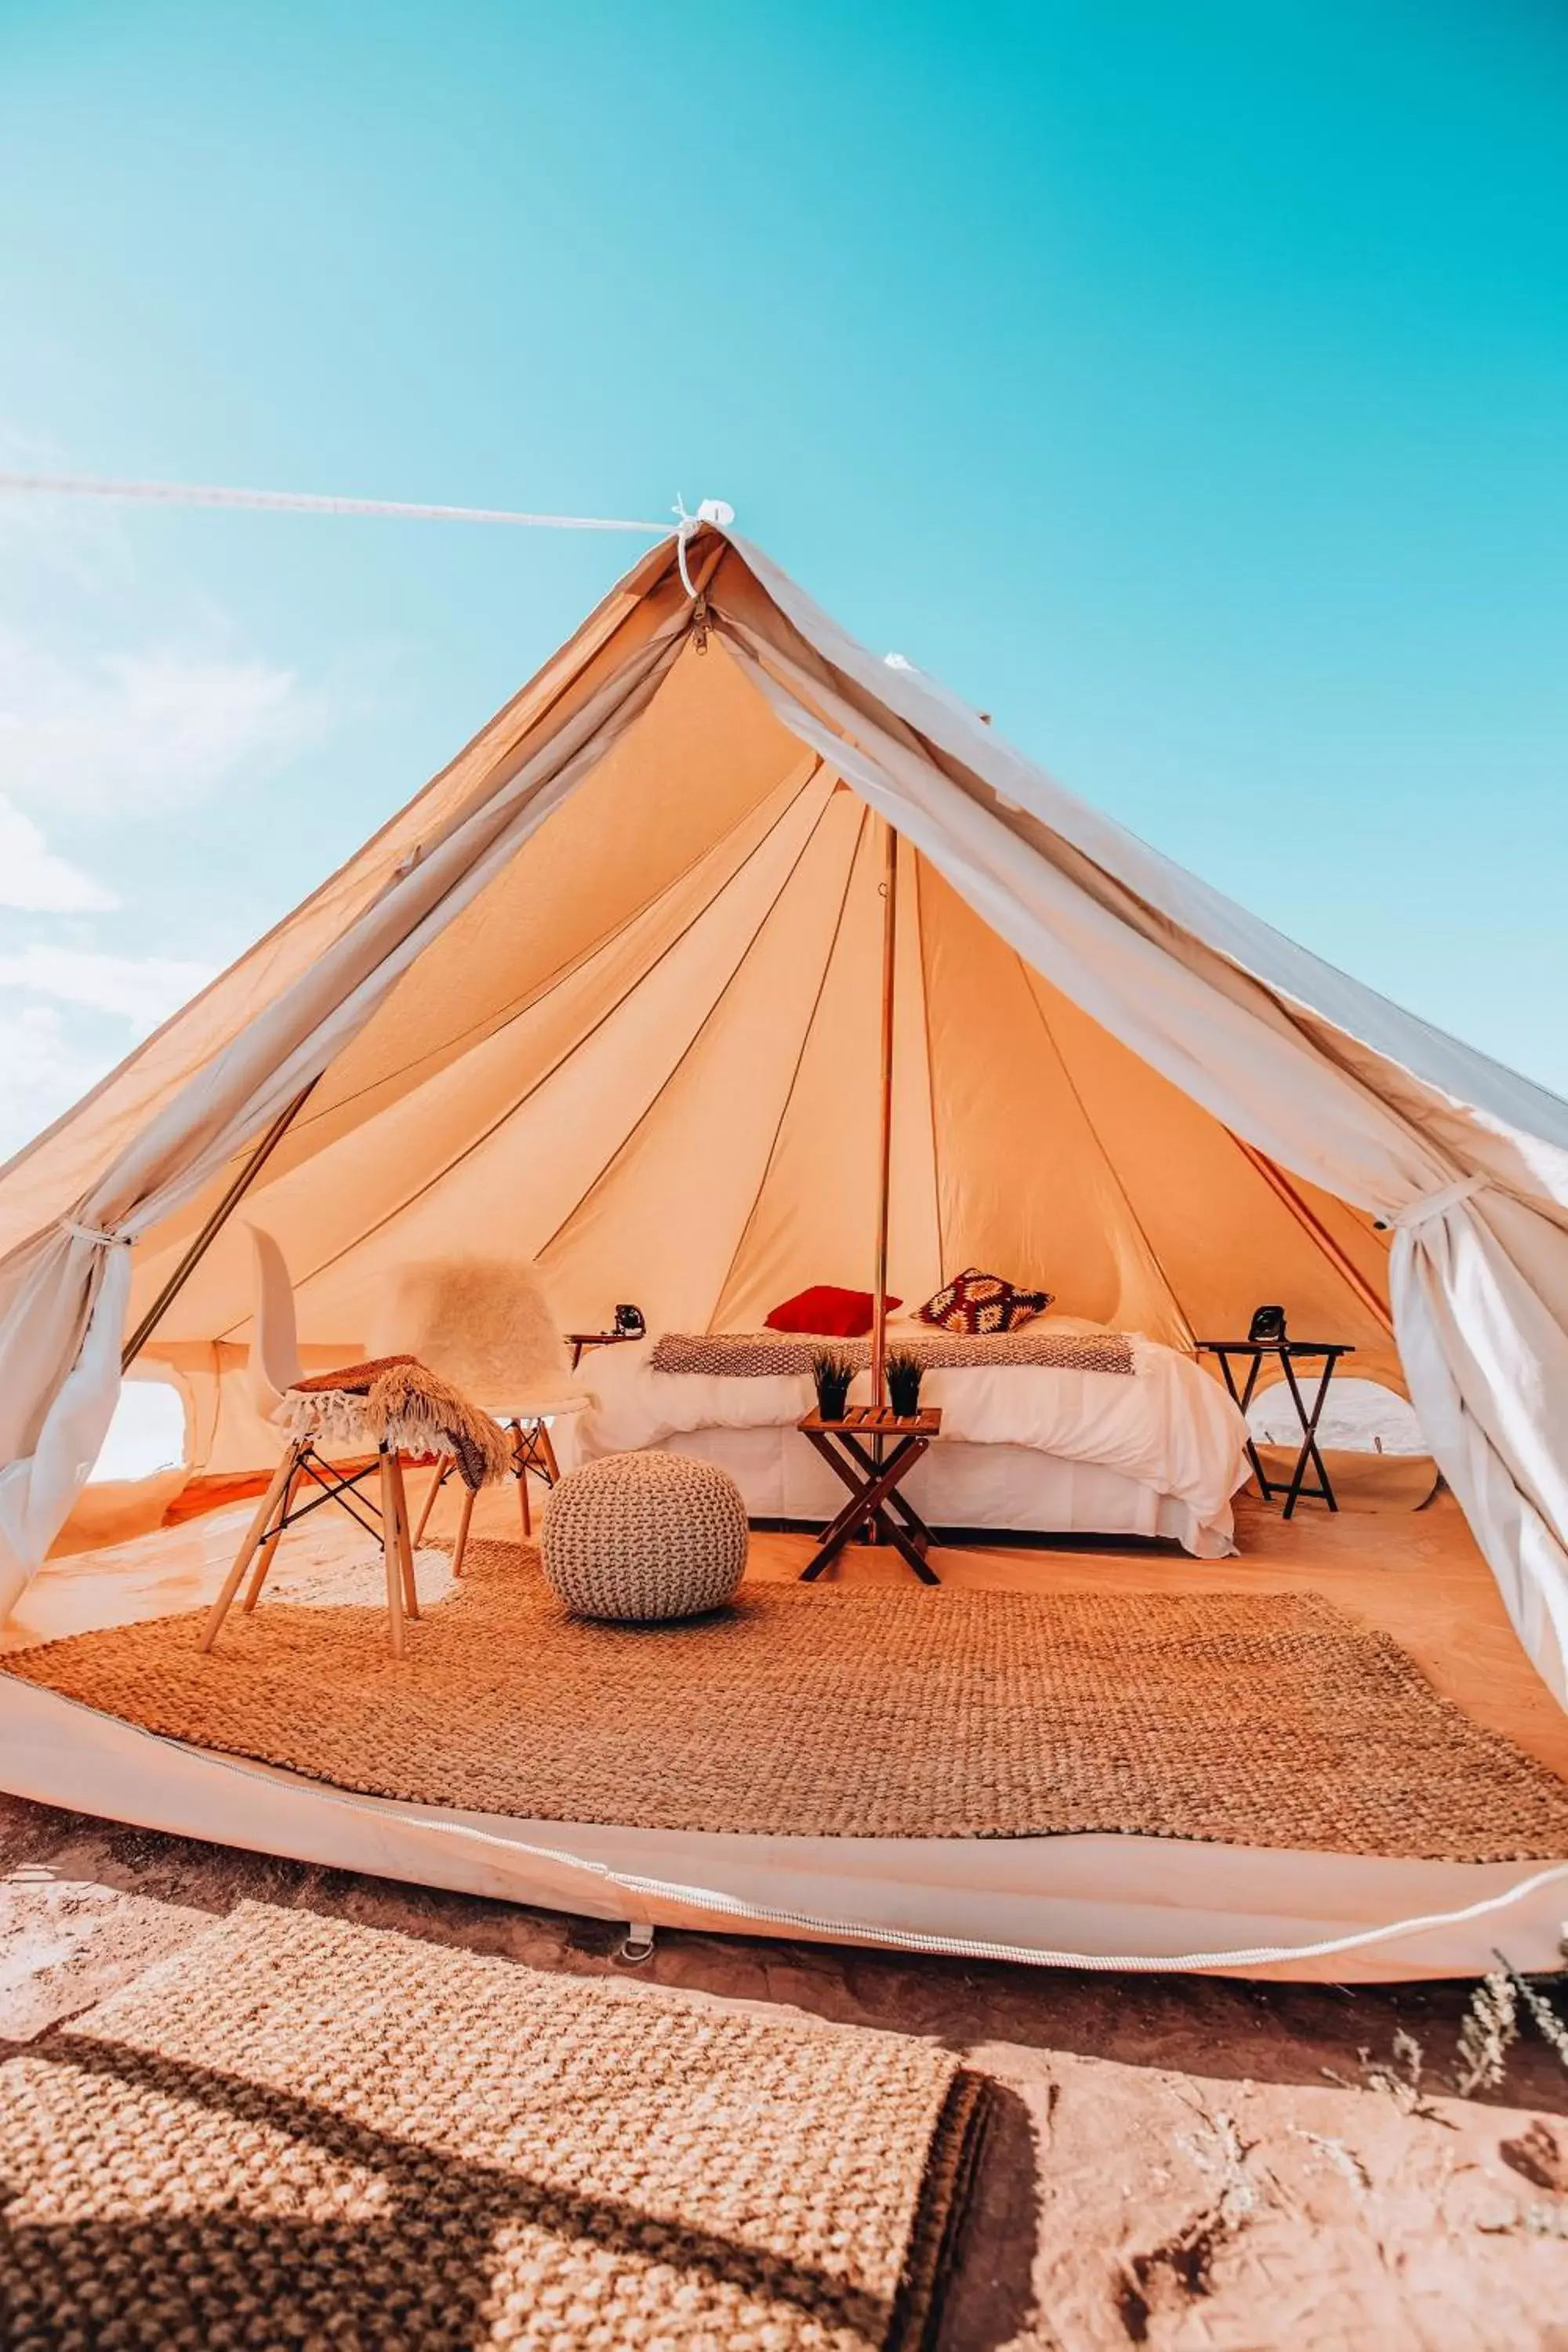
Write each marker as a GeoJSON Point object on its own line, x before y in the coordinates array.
{"type": "Point", "coordinates": [766, 1355]}
{"type": "Point", "coordinates": [398, 1401]}
{"type": "Point", "coordinates": [296, 2131]}
{"type": "Point", "coordinates": [815, 1711]}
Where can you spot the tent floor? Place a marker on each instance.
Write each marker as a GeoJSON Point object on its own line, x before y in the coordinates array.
{"type": "Point", "coordinates": [1418, 1576]}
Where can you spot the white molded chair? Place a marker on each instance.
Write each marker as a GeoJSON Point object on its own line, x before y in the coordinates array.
{"type": "Point", "coordinates": [486, 1324]}
{"type": "Point", "coordinates": [273, 1369]}
{"type": "Point", "coordinates": [274, 1364]}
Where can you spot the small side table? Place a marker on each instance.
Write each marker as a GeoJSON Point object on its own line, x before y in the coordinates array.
{"type": "Point", "coordinates": [1290, 1352]}
{"type": "Point", "coordinates": [578, 1340]}
{"type": "Point", "coordinates": [852, 1447]}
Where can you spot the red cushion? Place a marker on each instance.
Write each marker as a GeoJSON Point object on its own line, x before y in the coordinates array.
{"type": "Point", "coordinates": [825, 1308]}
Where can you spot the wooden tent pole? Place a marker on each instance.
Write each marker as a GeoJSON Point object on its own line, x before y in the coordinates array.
{"type": "Point", "coordinates": [885, 1161]}
{"type": "Point", "coordinates": [215, 1225]}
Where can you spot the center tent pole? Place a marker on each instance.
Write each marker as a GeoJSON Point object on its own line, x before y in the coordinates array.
{"type": "Point", "coordinates": [885, 1159]}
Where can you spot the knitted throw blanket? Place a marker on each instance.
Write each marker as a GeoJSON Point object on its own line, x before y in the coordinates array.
{"type": "Point", "coordinates": [398, 1402]}
{"type": "Point", "coordinates": [766, 1355]}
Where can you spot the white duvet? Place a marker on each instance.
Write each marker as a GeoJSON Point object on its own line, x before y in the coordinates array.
{"type": "Point", "coordinates": [1168, 1425]}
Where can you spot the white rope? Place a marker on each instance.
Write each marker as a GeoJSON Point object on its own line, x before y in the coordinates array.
{"type": "Point", "coordinates": [201, 494]}
{"type": "Point", "coordinates": [96, 1234]}
{"type": "Point", "coordinates": [714, 510]}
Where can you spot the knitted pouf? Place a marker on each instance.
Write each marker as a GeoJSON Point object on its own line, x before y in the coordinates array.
{"type": "Point", "coordinates": [644, 1536]}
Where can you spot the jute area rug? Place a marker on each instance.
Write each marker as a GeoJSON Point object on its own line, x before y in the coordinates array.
{"type": "Point", "coordinates": [1259, 1720]}
{"type": "Point", "coordinates": [301, 2132]}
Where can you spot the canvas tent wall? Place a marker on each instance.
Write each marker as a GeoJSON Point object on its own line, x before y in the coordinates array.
{"type": "Point", "coordinates": [606, 992]}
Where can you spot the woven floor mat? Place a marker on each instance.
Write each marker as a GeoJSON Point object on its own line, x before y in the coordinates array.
{"type": "Point", "coordinates": [296, 2131]}
{"type": "Point", "coordinates": [1259, 1720]}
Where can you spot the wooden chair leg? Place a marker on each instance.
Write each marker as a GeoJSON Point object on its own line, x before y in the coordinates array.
{"type": "Point", "coordinates": [437, 1484]}
{"type": "Point", "coordinates": [404, 1545]}
{"type": "Point", "coordinates": [264, 1556]}
{"type": "Point", "coordinates": [547, 1447]}
{"type": "Point", "coordinates": [392, 1553]}
{"type": "Point", "coordinates": [461, 1545]}
{"type": "Point", "coordinates": [282, 1477]}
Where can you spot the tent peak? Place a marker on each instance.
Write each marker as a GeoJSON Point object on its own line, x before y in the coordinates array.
{"type": "Point", "coordinates": [717, 512]}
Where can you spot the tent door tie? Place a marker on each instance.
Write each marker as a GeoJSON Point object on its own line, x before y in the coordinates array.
{"type": "Point", "coordinates": [1429, 1206]}
{"type": "Point", "coordinates": [96, 1234]}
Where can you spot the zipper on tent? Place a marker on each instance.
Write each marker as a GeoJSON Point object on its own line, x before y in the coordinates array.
{"type": "Point", "coordinates": [915, 1940]}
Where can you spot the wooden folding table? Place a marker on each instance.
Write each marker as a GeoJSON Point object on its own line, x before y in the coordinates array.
{"type": "Point", "coordinates": [1288, 1353]}
{"type": "Point", "coordinates": [856, 1447]}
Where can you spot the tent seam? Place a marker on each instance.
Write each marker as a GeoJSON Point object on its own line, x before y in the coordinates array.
{"type": "Point", "coordinates": [555, 1068]}
{"type": "Point", "coordinates": [693, 1042]}
{"type": "Point", "coordinates": [522, 1006]}
{"type": "Point", "coordinates": [1340, 1259]}
{"type": "Point", "coordinates": [1157, 1262]}
{"type": "Point", "coordinates": [799, 1061]}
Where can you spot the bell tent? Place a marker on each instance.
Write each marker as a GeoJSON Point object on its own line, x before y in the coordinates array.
{"type": "Point", "coordinates": [606, 995]}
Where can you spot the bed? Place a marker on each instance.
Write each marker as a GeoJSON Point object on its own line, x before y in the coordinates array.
{"type": "Point", "coordinates": [1155, 1450]}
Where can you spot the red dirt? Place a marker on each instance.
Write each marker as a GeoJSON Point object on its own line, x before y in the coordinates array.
{"type": "Point", "coordinates": [1177, 2161]}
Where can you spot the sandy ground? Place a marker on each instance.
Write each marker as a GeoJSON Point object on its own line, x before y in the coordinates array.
{"type": "Point", "coordinates": [1175, 2162]}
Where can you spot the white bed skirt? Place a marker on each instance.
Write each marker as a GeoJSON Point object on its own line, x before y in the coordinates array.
{"type": "Point", "coordinates": [1014, 1489]}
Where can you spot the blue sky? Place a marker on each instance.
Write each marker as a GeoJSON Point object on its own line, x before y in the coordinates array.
{"type": "Point", "coordinates": [1186, 383]}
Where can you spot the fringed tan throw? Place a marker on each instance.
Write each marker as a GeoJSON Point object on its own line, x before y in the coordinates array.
{"type": "Point", "coordinates": [814, 1711]}
{"type": "Point", "coordinates": [767, 1355]}
{"type": "Point", "coordinates": [299, 2132]}
{"type": "Point", "coordinates": [396, 1401]}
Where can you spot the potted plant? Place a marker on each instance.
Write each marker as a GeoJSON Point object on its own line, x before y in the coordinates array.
{"type": "Point", "coordinates": [832, 1374]}
{"type": "Point", "coordinates": [903, 1375]}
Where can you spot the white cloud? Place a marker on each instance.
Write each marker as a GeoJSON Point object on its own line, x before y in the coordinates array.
{"type": "Point", "coordinates": [109, 729]}
{"type": "Point", "coordinates": [53, 1048]}
{"type": "Point", "coordinates": [43, 1070]}
{"type": "Point", "coordinates": [34, 878]}
{"type": "Point", "coordinates": [140, 733]}
{"type": "Point", "coordinates": [140, 990]}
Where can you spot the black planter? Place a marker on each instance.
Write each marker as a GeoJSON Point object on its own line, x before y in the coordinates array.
{"type": "Point", "coordinates": [831, 1375]}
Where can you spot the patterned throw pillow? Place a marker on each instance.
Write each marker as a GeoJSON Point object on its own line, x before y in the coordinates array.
{"type": "Point", "coordinates": [976, 1302]}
